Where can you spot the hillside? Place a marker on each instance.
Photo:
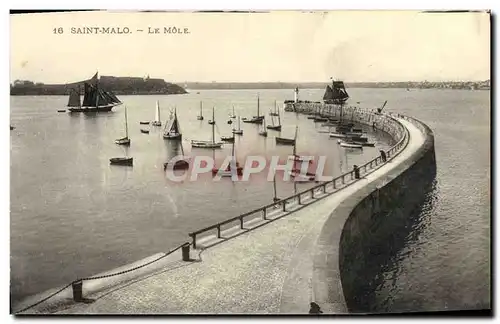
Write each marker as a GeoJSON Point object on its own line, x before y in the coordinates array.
{"type": "Point", "coordinates": [119, 85]}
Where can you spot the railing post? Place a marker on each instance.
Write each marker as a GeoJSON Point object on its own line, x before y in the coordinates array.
{"type": "Point", "coordinates": [300, 202]}
{"type": "Point", "coordinates": [324, 188]}
{"type": "Point", "coordinates": [312, 193]}
{"type": "Point", "coordinates": [218, 231]}
{"type": "Point", "coordinates": [356, 172]}
{"type": "Point", "coordinates": [77, 290]}
{"type": "Point", "coordinates": [185, 252]}
{"type": "Point", "coordinates": [241, 222]}
{"type": "Point", "coordinates": [264, 213]}
{"type": "Point", "coordinates": [343, 179]}
{"type": "Point", "coordinates": [194, 241]}
{"type": "Point", "coordinates": [334, 181]}
{"type": "Point", "coordinates": [284, 204]}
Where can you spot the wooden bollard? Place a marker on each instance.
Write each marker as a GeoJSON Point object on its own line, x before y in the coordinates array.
{"type": "Point", "coordinates": [77, 290]}
{"type": "Point", "coordinates": [185, 252]}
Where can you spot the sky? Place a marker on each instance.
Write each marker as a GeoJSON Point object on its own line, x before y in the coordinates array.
{"type": "Point", "coordinates": [287, 46]}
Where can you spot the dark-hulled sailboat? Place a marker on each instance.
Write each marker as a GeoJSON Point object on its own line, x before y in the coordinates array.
{"type": "Point", "coordinates": [336, 93]}
{"type": "Point", "coordinates": [95, 99]}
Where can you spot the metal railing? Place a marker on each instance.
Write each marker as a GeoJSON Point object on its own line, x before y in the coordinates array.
{"type": "Point", "coordinates": [336, 184]}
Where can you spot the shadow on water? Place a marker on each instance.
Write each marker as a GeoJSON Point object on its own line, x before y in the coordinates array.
{"type": "Point", "coordinates": [391, 232]}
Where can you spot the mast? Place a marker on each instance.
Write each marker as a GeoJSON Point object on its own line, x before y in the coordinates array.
{"type": "Point", "coordinates": [275, 106]}
{"type": "Point", "coordinates": [239, 122]}
{"type": "Point", "coordinates": [274, 185]}
{"type": "Point", "coordinates": [79, 101]}
{"type": "Point", "coordinates": [279, 118]}
{"type": "Point", "coordinates": [213, 125]}
{"type": "Point", "coordinates": [97, 90]}
{"type": "Point", "coordinates": [233, 111]}
{"type": "Point", "coordinates": [126, 123]}
{"type": "Point", "coordinates": [258, 105]}
{"type": "Point", "coordinates": [201, 108]}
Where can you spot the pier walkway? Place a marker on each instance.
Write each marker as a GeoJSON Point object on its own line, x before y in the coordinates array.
{"type": "Point", "coordinates": [269, 270]}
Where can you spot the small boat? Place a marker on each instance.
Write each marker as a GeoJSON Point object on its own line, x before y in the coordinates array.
{"type": "Point", "coordinates": [273, 126]}
{"type": "Point", "coordinates": [275, 112]}
{"type": "Point", "coordinates": [125, 140]}
{"type": "Point", "coordinates": [145, 131]}
{"type": "Point", "coordinates": [370, 144]}
{"type": "Point", "coordinates": [350, 145]}
{"type": "Point", "coordinates": [61, 110]}
{"type": "Point", "coordinates": [177, 165]}
{"type": "Point", "coordinates": [208, 144]}
{"type": "Point", "coordinates": [157, 121]}
{"type": "Point", "coordinates": [122, 161]}
{"type": "Point", "coordinates": [338, 135]}
{"type": "Point", "coordinates": [200, 116]}
{"type": "Point", "coordinates": [295, 157]}
{"type": "Point", "coordinates": [229, 139]}
{"type": "Point", "coordinates": [320, 119]}
{"type": "Point", "coordinates": [284, 141]}
{"type": "Point", "coordinates": [211, 122]}
{"type": "Point", "coordinates": [287, 141]}
{"type": "Point", "coordinates": [228, 172]}
{"type": "Point", "coordinates": [144, 123]}
{"type": "Point", "coordinates": [11, 127]}
{"type": "Point", "coordinates": [238, 131]}
{"type": "Point", "coordinates": [311, 117]}
{"type": "Point", "coordinates": [255, 119]}
{"type": "Point", "coordinates": [263, 132]}
{"type": "Point", "coordinates": [172, 129]}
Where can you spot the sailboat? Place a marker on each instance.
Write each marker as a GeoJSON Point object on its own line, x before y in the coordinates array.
{"type": "Point", "coordinates": [95, 99]}
{"type": "Point", "coordinates": [273, 126]}
{"type": "Point", "coordinates": [233, 116]}
{"type": "Point", "coordinates": [294, 156]}
{"type": "Point", "coordinates": [263, 132]}
{"type": "Point", "coordinates": [286, 141]}
{"type": "Point", "coordinates": [173, 129]}
{"type": "Point", "coordinates": [157, 121]}
{"type": "Point", "coordinates": [208, 144]}
{"type": "Point", "coordinates": [200, 116]}
{"type": "Point", "coordinates": [228, 172]}
{"type": "Point", "coordinates": [336, 93]}
{"type": "Point", "coordinates": [275, 112]}
{"type": "Point", "coordinates": [255, 119]}
{"type": "Point", "coordinates": [238, 131]}
{"type": "Point", "coordinates": [125, 140]}
{"type": "Point", "coordinates": [181, 164]}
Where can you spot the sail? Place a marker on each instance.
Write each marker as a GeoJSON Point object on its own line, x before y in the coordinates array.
{"type": "Point", "coordinates": [93, 80]}
{"type": "Point", "coordinates": [74, 99]}
{"type": "Point", "coordinates": [157, 116]}
{"type": "Point", "coordinates": [328, 93]}
{"type": "Point", "coordinates": [174, 126]}
{"type": "Point", "coordinates": [115, 99]}
{"type": "Point", "coordinates": [89, 96]}
{"type": "Point", "coordinates": [342, 92]}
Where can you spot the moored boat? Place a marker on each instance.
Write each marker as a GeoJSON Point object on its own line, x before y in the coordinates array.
{"type": "Point", "coordinates": [263, 132]}
{"type": "Point", "coordinates": [144, 123]}
{"type": "Point", "coordinates": [227, 138]}
{"type": "Point", "coordinates": [208, 144]}
{"type": "Point", "coordinates": [273, 126]}
{"type": "Point", "coordinates": [145, 131]}
{"type": "Point", "coordinates": [238, 131]}
{"type": "Point", "coordinates": [255, 119]}
{"type": "Point", "coordinates": [122, 161]}
{"type": "Point", "coordinates": [172, 129]}
{"type": "Point", "coordinates": [124, 140]}
{"type": "Point", "coordinates": [200, 116]}
{"type": "Point", "coordinates": [157, 121]}
{"type": "Point", "coordinates": [284, 141]}
{"type": "Point", "coordinates": [350, 145]}
{"type": "Point", "coordinates": [61, 110]}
